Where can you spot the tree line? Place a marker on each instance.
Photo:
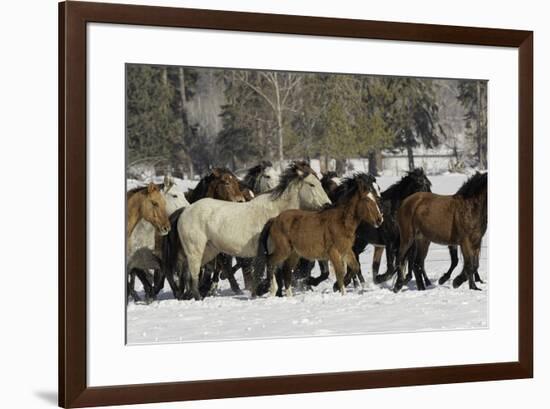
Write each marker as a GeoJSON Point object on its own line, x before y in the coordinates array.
{"type": "Point", "coordinates": [186, 120]}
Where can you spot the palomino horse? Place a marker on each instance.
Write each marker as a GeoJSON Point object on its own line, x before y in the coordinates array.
{"type": "Point", "coordinates": [144, 244]}
{"type": "Point", "coordinates": [220, 184]}
{"type": "Point", "coordinates": [209, 227]}
{"type": "Point", "coordinates": [328, 234]}
{"type": "Point", "coordinates": [460, 219]}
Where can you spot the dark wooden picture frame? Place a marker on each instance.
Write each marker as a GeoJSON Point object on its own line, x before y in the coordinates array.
{"type": "Point", "coordinates": [73, 388]}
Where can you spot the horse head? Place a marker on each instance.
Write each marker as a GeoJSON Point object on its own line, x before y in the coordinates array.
{"type": "Point", "coordinates": [175, 199]}
{"type": "Point", "coordinates": [311, 194]}
{"type": "Point", "coordinates": [330, 182]}
{"type": "Point", "coordinates": [369, 196]}
{"type": "Point", "coordinates": [421, 183]}
{"type": "Point", "coordinates": [153, 209]}
{"type": "Point", "coordinates": [262, 177]}
{"type": "Point", "coordinates": [225, 186]}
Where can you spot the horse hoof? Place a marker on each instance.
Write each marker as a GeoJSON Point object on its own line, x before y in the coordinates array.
{"type": "Point", "coordinates": [443, 279]}
{"type": "Point", "coordinates": [398, 286]}
{"type": "Point", "coordinates": [428, 283]}
{"type": "Point", "coordinates": [457, 282]}
{"type": "Point", "coordinates": [379, 279]}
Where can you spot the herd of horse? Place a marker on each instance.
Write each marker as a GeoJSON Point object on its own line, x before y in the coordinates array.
{"type": "Point", "coordinates": [275, 227]}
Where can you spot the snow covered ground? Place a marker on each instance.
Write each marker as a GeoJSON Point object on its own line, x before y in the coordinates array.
{"type": "Point", "coordinates": [321, 312]}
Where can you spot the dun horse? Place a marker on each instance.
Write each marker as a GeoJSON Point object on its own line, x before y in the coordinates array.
{"type": "Point", "coordinates": [144, 243]}
{"type": "Point", "coordinates": [149, 204]}
{"type": "Point", "coordinates": [328, 234]}
{"type": "Point", "coordinates": [208, 227]}
{"type": "Point", "coordinates": [460, 219]}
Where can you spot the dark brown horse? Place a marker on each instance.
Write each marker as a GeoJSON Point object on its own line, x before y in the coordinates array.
{"type": "Point", "coordinates": [460, 219]}
{"type": "Point", "coordinates": [327, 234]}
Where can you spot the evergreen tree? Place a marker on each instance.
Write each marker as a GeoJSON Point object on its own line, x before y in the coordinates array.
{"type": "Point", "coordinates": [415, 115]}
{"type": "Point", "coordinates": [473, 96]}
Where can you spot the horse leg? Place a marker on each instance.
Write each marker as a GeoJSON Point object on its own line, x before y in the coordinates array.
{"type": "Point", "coordinates": [376, 258]}
{"type": "Point", "coordinates": [289, 265]}
{"type": "Point", "coordinates": [354, 269]}
{"type": "Point", "coordinates": [315, 281]}
{"type": "Point", "coordinates": [405, 244]}
{"type": "Point", "coordinates": [453, 252]}
{"type": "Point", "coordinates": [147, 288]}
{"type": "Point", "coordinates": [422, 280]}
{"type": "Point", "coordinates": [206, 280]}
{"type": "Point", "coordinates": [339, 269]}
{"type": "Point", "coordinates": [226, 267]}
{"type": "Point", "coordinates": [246, 269]}
{"type": "Point", "coordinates": [476, 273]}
{"type": "Point", "coordinates": [131, 286]}
{"type": "Point", "coordinates": [468, 271]}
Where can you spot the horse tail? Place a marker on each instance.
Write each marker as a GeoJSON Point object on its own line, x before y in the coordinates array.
{"type": "Point", "coordinates": [170, 247]}
{"type": "Point", "coordinates": [263, 251]}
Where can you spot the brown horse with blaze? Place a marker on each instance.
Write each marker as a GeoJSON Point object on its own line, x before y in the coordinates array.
{"type": "Point", "coordinates": [327, 234]}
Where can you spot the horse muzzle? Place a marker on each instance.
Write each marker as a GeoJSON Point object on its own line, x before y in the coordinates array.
{"type": "Point", "coordinates": [164, 230]}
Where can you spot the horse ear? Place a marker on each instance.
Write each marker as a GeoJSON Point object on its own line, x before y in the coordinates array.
{"type": "Point", "coordinates": [216, 172]}
{"type": "Point", "coordinates": [151, 187]}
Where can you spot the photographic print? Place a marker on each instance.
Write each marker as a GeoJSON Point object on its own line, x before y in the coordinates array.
{"type": "Point", "coordinates": [268, 204]}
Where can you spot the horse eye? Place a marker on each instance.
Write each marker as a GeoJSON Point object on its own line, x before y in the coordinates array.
{"type": "Point", "coordinates": [174, 196]}
{"type": "Point", "coordinates": [267, 176]}
{"type": "Point", "coordinates": [155, 204]}
{"type": "Point", "coordinates": [311, 184]}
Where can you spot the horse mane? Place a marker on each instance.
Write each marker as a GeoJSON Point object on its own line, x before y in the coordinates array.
{"type": "Point", "coordinates": [252, 174]}
{"type": "Point", "coordinates": [402, 188]}
{"type": "Point", "coordinates": [475, 185]}
{"type": "Point", "coordinates": [139, 189]}
{"type": "Point", "coordinates": [296, 170]}
{"type": "Point", "coordinates": [349, 186]}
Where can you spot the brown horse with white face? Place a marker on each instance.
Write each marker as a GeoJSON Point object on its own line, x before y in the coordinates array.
{"type": "Point", "coordinates": [147, 203]}
{"type": "Point", "coordinates": [459, 219]}
{"type": "Point", "coordinates": [327, 234]}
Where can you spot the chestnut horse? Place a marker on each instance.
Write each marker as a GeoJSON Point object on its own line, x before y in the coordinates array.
{"type": "Point", "coordinates": [327, 234]}
{"type": "Point", "coordinates": [460, 219]}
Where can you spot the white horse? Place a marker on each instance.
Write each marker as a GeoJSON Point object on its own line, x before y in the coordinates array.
{"type": "Point", "coordinates": [209, 227]}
